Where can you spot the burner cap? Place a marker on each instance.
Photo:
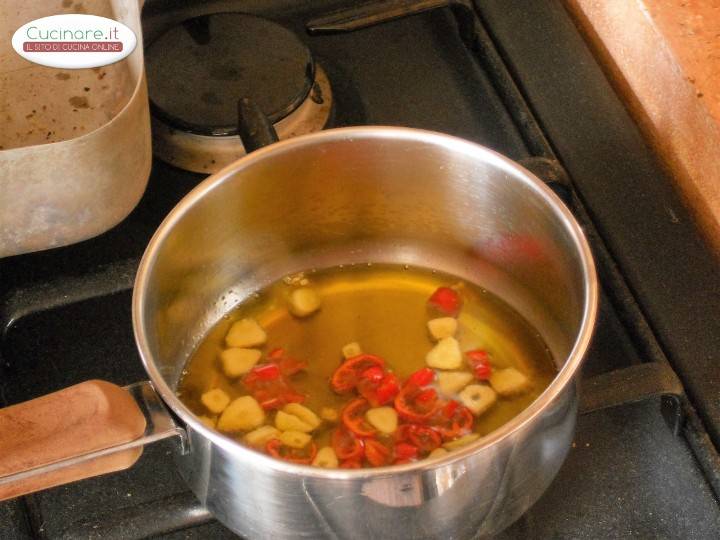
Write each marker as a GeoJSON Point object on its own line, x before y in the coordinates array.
{"type": "Point", "coordinates": [198, 70]}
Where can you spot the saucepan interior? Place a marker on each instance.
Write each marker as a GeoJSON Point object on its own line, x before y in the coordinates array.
{"type": "Point", "coordinates": [358, 195]}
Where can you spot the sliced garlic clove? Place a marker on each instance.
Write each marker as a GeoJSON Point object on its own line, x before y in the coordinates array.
{"type": "Point", "coordinates": [509, 382]}
{"type": "Point", "coordinates": [245, 333]}
{"type": "Point", "coordinates": [303, 413]}
{"type": "Point", "coordinates": [329, 414]}
{"type": "Point", "coordinates": [351, 350]}
{"type": "Point", "coordinates": [290, 422]}
{"type": "Point", "coordinates": [442, 327]}
{"type": "Point", "coordinates": [326, 458]}
{"type": "Point", "coordinates": [445, 355]}
{"type": "Point", "coordinates": [295, 439]}
{"type": "Point", "coordinates": [243, 414]}
{"type": "Point", "coordinates": [259, 437]}
{"type": "Point", "coordinates": [236, 361]}
{"type": "Point", "coordinates": [451, 382]}
{"type": "Point", "coordinates": [478, 398]}
{"type": "Point", "coordinates": [215, 400]}
{"type": "Point", "coordinates": [304, 302]}
{"type": "Point", "coordinates": [384, 419]}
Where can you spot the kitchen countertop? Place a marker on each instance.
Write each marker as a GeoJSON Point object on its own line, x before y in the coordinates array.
{"type": "Point", "coordinates": [692, 30]}
{"type": "Point", "coordinates": [664, 55]}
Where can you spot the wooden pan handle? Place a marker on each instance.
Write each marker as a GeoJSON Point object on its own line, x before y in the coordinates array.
{"type": "Point", "coordinates": [89, 416]}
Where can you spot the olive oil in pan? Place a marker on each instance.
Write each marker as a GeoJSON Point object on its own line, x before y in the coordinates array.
{"type": "Point", "coordinates": [383, 308]}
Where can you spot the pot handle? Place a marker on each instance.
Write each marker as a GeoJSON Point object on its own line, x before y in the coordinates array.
{"type": "Point", "coordinates": [86, 430]}
{"type": "Point", "coordinates": [254, 128]}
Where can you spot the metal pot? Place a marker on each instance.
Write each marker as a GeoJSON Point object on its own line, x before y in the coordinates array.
{"type": "Point", "coordinates": [90, 170]}
{"type": "Point", "coordinates": [379, 194]}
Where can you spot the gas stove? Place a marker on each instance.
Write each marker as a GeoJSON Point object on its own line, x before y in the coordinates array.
{"type": "Point", "coordinates": [512, 75]}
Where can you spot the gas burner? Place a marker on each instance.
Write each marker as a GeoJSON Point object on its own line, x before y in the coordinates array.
{"type": "Point", "coordinates": [199, 69]}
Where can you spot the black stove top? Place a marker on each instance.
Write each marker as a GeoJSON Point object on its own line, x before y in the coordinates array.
{"type": "Point", "coordinates": [514, 76]}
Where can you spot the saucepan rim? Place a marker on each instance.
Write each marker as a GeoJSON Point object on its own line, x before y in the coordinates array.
{"type": "Point", "coordinates": [564, 377]}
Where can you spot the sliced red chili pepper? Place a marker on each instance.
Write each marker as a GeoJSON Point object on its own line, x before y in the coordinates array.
{"type": "Point", "coordinates": [290, 366]}
{"type": "Point", "coordinates": [351, 464]}
{"type": "Point", "coordinates": [424, 438]}
{"type": "Point", "coordinates": [479, 361]}
{"type": "Point", "coordinates": [292, 397]}
{"type": "Point", "coordinates": [353, 416]}
{"type": "Point", "coordinates": [304, 456]}
{"type": "Point", "coordinates": [287, 364]}
{"type": "Point", "coordinates": [272, 394]}
{"type": "Point", "coordinates": [370, 359]}
{"type": "Point", "coordinates": [368, 389]}
{"type": "Point", "coordinates": [373, 374]}
{"type": "Point", "coordinates": [273, 447]}
{"type": "Point", "coordinates": [482, 371]}
{"type": "Point", "coordinates": [346, 376]}
{"type": "Point", "coordinates": [450, 426]}
{"type": "Point", "coordinates": [368, 383]}
{"type": "Point", "coordinates": [268, 386]}
{"type": "Point", "coordinates": [379, 392]}
{"type": "Point", "coordinates": [264, 372]}
{"type": "Point", "coordinates": [279, 403]}
{"type": "Point", "coordinates": [388, 389]}
{"type": "Point", "coordinates": [402, 433]}
{"type": "Point", "coordinates": [271, 403]}
{"type": "Point", "coordinates": [343, 380]}
{"type": "Point", "coordinates": [346, 445]}
{"type": "Point", "coordinates": [312, 452]}
{"type": "Point", "coordinates": [446, 300]}
{"type": "Point", "coordinates": [252, 381]}
{"type": "Point", "coordinates": [376, 453]}
{"type": "Point", "coordinates": [269, 400]}
{"type": "Point", "coordinates": [478, 355]}
{"type": "Point", "coordinates": [267, 393]}
{"type": "Point", "coordinates": [421, 377]}
{"type": "Point", "coordinates": [449, 409]}
{"type": "Point", "coordinates": [405, 452]}
{"type": "Point", "coordinates": [409, 408]}
{"type": "Point", "coordinates": [426, 396]}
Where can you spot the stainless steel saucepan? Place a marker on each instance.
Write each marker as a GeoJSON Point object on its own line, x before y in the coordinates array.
{"type": "Point", "coordinates": [380, 194]}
